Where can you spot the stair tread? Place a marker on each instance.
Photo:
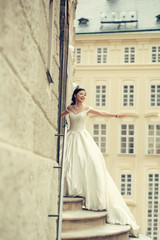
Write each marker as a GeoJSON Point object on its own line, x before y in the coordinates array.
{"type": "Point", "coordinates": [105, 230]}
{"type": "Point", "coordinates": [72, 199]}
{"type": "Point", "coordinates": [141, 237]}
{"type": "Point", "coordinates": [82, 214]}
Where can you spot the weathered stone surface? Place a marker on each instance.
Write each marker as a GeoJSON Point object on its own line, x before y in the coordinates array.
{"type": "Point", "coordinates": [45, 142]}
{"type": "Point", "coordinates": [17, 110]}
{"type": "Point", "coordinates": [19, 130]}
{"type": "Point", "coordinates": [28, 194]}
{"type": "Point", "coordinates": [37, 20]}
{"type": "Point", "coordinates": [24, 51]}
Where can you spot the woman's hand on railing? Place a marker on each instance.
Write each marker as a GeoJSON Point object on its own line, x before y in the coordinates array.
{"type": "Point", "coordinates": [121, 116]}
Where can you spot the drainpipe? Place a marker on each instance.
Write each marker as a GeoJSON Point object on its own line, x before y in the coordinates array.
{"type": "Point", "coordinates": [63, 60]}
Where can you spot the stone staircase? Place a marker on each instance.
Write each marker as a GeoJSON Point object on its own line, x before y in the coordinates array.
{"type": "Point", "coordinates": [78, 223]}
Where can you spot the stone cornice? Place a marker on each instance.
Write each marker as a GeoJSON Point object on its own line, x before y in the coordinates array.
{"type": "Point", "coordinates": [120, 36]}
{"type": "Point", "coordinates": [100, 67]}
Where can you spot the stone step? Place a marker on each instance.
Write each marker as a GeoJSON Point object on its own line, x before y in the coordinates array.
{"type": "Point", "coordinates": [104, 232]}
{"type": "Point", "coordinates": [82, 219]}
{"type": "Point", "coordinates": [141, 237]}
{"type": "Point", "coordinates": [72, 203]}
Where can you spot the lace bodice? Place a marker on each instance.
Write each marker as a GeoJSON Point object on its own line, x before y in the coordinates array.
{"type": "Point", "coordinates": [78, 121]}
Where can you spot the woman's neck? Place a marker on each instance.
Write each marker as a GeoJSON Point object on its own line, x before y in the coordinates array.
{"type": "Point", "coordinates": [78, 105]}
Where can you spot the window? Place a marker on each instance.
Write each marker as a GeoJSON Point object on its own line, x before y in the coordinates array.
{"type": "Point", "coordinates": [83, 21]}
{"type": "Point", "coordinates": [155, 95]}
{"type": "Point", "coordinates": [128, 95]}
{"type": "Point", "coordinates": [155, 54]}
{"type": "Point", "coordinates": [77, 55]}
{"type": "Point", "coordinates": [102, 55]}
{"type": "Point", "coordinates": [100, 96]}
{"type": "Point", "coordinates": [154, 139]}
{"type": "Point", "coordinates": [129, 54]}
{"type": "Point", "coordinates": [127, 139]}
{"type": "Point", "coordinates": [99, 136]}
{"type": "Point", "coordinates": [126, 184]}
{"type": "Point", "coordinates": [153, 203]}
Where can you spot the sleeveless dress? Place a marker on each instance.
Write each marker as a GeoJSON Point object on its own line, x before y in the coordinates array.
{"type": "Point", "coordinates": [86, 175]}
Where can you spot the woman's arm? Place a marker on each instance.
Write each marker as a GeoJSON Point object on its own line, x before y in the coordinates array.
{"type": "Point", "coordinates": [63, 114]}
{"type": "Point", "coordinates": [105, 114]}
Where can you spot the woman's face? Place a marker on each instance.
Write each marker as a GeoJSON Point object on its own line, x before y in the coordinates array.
{"type": "Point", "coordinates": [80, 96]}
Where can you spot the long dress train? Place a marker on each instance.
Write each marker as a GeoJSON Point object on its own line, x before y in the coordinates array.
{"type": "Point", "coordinates": [86, 175]}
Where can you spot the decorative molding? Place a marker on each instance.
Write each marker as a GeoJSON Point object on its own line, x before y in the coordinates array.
{"type": "Point", "coordinates": [151, 114]}
{"type": "Point", "coordinates": [111, 67]}
{"type": "Point", "coordinates": [130, 114]}
{"type": "Point", "coordinates": [130, 203]}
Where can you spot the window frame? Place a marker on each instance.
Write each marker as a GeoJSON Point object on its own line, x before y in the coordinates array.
{"type": "Point", "coordinates": [76, 55]}
{"type": "Point", "coordinates": [126, 184]}
{"type": "Point", "coordinates": [100, 135]}
{"type": "Point", "coordinates": [127, 136]}
{"type": "Point", "coordinates": [153, 195]}
{"type": "Point", "coordinates": [102, 54]}
{"type": "Point", "coordinates": [128, 95]}
{"type": "Point", "coordinates": [156, 99]}
{"type": "Point", "coordinates": [154, 142]}
{"type": "Point", "coordinates": [102, 96]}
{"type": "Point", "coordinates": [157, 54]}
{"type": "Point", "coordinates": [129, 55]}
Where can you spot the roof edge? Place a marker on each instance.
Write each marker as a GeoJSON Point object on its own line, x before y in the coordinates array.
{"type": "Point", "coordinates": [123, 31]}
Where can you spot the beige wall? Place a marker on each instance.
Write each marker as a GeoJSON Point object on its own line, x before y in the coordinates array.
{"type": "Point", "coordinates": [114, 74]}
{"type": "Point", "coordinates": [28, 120]}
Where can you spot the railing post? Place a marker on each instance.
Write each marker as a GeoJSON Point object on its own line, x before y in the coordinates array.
{"type": "Point", "coordinates": [61, 190]}
{"type": "Point", "coordinates": [61, 183]}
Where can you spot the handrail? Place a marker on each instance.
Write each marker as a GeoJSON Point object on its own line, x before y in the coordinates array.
{"type": "Point", "coordinates": [61, 189]}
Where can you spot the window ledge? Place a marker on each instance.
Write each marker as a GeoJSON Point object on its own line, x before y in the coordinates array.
{"type": "Point", "coordinates": [130, 202]}
{"type": "Point", "coordinates": [131, 114]}
{"type": "Point", "coordinates": [126, 155]}
{"type": "Point", "coordinates": [152, 155]}
{"type": "Point", "coordinates": [151, 114]}
{"type": "Point", "coordinates": [105, 154]}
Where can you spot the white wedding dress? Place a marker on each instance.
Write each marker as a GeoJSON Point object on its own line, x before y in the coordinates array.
{"type": "Point", "coordinates": [85, 175]}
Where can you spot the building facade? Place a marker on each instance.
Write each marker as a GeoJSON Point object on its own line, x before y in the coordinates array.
{"type": "Point", "coordinates": [120, 71]}
{"type": "Point", "coordinates": [34, 48]}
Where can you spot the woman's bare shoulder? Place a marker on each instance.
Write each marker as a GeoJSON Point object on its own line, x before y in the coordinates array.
{"type": "Point", "coordinates": [69, 107]}
{"type": "Point", "coordinates": [88, 108]}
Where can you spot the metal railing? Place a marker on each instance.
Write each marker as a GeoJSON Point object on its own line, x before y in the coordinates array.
{"type": "Point", "coordinates": [61, 183]}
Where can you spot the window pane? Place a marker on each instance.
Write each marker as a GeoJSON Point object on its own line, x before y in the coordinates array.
{"type": "Point", "coordinates": [128, 95]}
{"type": "Point", "coordinates": [152, 221]}
{"type": "Point", "coordinates": [154, 139]}
{"type": "Point", "coordinates": [102, 55]}
{"type": "Point", "coordinates": [129, 54]}
{"type": "Point", "coordinates": [99, 136]}
{"type": "Point", "coordinates": [127, 138]}
{"type": "Point", "coordinates": [78, 55]}
{"type": "Point", "coordinates": [126, 184]}
{"type": "Point", "coordinates": [100, 95]}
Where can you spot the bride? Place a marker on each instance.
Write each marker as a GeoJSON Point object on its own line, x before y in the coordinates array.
{"type": "Point", "coordinates": [85, 172]}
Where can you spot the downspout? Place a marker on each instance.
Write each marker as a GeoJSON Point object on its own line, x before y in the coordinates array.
{"type": "Point", "coordinates": [63, 59]}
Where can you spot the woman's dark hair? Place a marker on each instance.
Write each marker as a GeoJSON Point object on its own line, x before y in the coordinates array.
{"type": "Point", "coordinates": [77, 90]}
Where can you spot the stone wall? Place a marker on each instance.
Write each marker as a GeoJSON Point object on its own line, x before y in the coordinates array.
{"type": "Point", "coordinates": [28, 119]}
